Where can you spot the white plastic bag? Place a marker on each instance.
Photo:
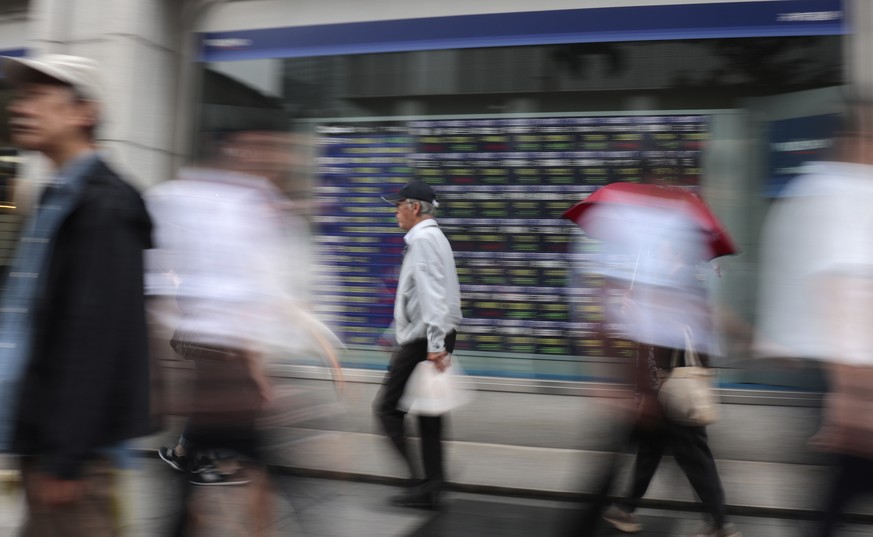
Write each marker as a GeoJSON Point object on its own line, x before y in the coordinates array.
{"type": "Point", "coordinates": [430, 392]}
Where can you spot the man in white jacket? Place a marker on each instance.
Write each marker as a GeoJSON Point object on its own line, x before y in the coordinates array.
{"type": "Point", "coordinates": [427, 311]}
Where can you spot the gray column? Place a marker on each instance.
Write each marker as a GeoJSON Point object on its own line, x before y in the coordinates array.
{"type": "Point", "coordinates": [859, 47]}
{"type": "Point", "coordinates": [138, 43]}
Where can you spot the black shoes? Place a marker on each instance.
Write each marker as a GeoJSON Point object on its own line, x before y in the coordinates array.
{"type": "Point", "coordinates": [168, 455]}
{"type": "Point", "coordinates": [423, 496]}
{"type": "Point", "coordinates": [211, 476]}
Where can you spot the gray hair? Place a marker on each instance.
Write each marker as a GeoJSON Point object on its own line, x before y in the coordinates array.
{"type": "Point", "coordinates": [426, 206]}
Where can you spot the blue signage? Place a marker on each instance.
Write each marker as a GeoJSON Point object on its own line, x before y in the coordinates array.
{"type": "Point", "coordinates": [638, 23]}
{"type": "Point", "coordinates": [12, 53]}
{"type": "Point", "coordinates": [793, 143]}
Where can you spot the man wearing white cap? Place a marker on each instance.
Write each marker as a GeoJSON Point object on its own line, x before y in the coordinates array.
{"type": "Point", "coordinates": [73, 360]}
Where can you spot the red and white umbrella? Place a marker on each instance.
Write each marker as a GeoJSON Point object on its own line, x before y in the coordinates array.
{"type": "Point", "coordinates": [648, 196]}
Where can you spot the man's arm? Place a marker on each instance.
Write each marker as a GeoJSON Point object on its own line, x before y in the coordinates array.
{"type": "Point", "coordinates": [431, 288]}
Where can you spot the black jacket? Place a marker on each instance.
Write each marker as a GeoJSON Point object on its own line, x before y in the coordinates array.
{"type": "Point", "coordinates": [86, 385]}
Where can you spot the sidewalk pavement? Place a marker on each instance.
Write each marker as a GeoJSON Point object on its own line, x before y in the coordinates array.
{"type": "Point", "coordinates": [338, 508]}
{"type": "Point", "coordinates": [536, 445]}
{"type": "Point", "coordinates": [546, 446]}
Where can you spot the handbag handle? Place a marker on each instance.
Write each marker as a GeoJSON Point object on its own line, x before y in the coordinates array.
{"type": "Point", "coordinates": [691, 358]}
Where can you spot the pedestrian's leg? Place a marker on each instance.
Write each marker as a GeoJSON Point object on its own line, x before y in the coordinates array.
{"type": "Point", "coordinates": [650, 450]}
{"type": "Point", "coordinates": [183, 447]}
{"type": "Point", "coordinates": [430, 428]}
{"type": "Point", "coordinates": [690, 447]}
{"type": "Point", "coordinates": [251, 444]}
{"type": "Point", "coordinates": [94, 513]}
{"type": "Point", "coordinates": [263, 508]}
{"type": "Point", "coordinates": [391, 419]}
{"type": "Point", "coordinates": [586, 519]}
{"type": "Point", "coordinates": [185, 519]}
{"type": "Point", "coordinates": [390, 416]}
{"type": "Point", "coordinates": [853, 475]}
{"type": "Point", "coordinates": [431, 431]}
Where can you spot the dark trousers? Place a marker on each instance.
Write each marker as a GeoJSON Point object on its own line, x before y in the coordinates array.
{"type": "Point", "coordinates": [690, 448]}
{"type": "Point", "coordinates": [402, 363]}
{"type": "Point", "coordinates": [854, 477]}
{"type": "Point", "coordinates": [94, 514]}
{"type": "Point", "coordinates": [586, 519]}
{"type": "Point", "coordinates": [225, 405]}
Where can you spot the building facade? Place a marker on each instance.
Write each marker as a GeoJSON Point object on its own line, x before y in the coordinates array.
{"type": "Point", "coordinates": [515, 112]}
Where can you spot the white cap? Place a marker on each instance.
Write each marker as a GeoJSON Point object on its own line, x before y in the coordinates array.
{"type": "Point", "coordinates": [81, 73]}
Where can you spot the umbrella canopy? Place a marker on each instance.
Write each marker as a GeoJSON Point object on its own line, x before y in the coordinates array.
{"type": "Point", "coordinates": [654, 197]}
{"type": "Point", "coordinates": [655, 242]}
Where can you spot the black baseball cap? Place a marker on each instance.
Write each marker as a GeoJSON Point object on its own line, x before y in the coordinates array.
{"type": "Point", "coordinates": [413, 190]}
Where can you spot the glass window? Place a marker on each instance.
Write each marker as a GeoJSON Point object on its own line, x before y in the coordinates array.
{"type": "Point", "coordinates": [511, 137]}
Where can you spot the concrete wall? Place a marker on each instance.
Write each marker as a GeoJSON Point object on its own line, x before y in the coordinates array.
{"type": "Point", "coordinates": [142, 43]}
{"type": "Point", "coordinates": [859, 60]}
{"type": "Point", "coordinates": [556, 445]}
{"type": "Point", "coordinates": [146, 45]}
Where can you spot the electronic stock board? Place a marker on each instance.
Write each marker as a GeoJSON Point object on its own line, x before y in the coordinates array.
{"type": "Point", "coordinates": [502, 186]}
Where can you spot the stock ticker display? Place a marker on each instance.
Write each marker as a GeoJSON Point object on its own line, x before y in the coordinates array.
{"type": "Point", "coordinates": [502, 185]}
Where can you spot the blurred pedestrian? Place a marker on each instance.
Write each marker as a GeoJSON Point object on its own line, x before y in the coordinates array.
{"type": "Point", "coordinates": [225, 253]}
{"type": "Point", "coordinates": [656, 242]}
{"type": "Point", "coordinates": [667, 310]}
{"type": "Point", "coordinates": [427, 311]}
{"type": "Point", "coordinates": [218, 234]}
{"type": "Point", "coordinates": [816, 298]}
{"type": "Point", "coordinates": [73, 311]}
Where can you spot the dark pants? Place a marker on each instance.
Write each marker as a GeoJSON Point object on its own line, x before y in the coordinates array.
{"type": "Point", "coordinates": [691, 450]}
{"type": "Point", "coordinates": [225, 406]}
{"type": "Point", "coordinates": [94, 514]}
{"type": "Point", "coordinates": [854, 477]}
{"type": "Point", "coordinates": [586, 519]}
{"type": "Point", "coordinates": [403, 362]}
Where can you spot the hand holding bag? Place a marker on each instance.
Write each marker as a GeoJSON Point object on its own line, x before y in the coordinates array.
{"type": "Point", "coordinates": [430, 392]}
{"type": "Point", "coordinates": [686, 395]}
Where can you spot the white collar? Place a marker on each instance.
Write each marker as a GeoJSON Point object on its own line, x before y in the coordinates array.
{"type": "Point", "coordinates": [427, 222]}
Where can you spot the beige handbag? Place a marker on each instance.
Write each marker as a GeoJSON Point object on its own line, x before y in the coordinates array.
{"type": "Point", "coordinates": [686, 394]}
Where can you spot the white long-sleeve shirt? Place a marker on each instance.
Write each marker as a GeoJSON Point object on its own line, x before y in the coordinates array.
{"type": "Point", "coordinates": [428, 301]}
{"type": "Point", "coordinates": [221, 234]}
{"type": "Point", "coordinates": [816, 294]}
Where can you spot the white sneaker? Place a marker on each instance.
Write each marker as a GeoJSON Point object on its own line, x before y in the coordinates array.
{"type": "Point", "coordinates": [622, 520]}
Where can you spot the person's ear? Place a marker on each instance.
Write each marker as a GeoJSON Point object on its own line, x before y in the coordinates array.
{"type": "Point", "coordinates": [88, 115]}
